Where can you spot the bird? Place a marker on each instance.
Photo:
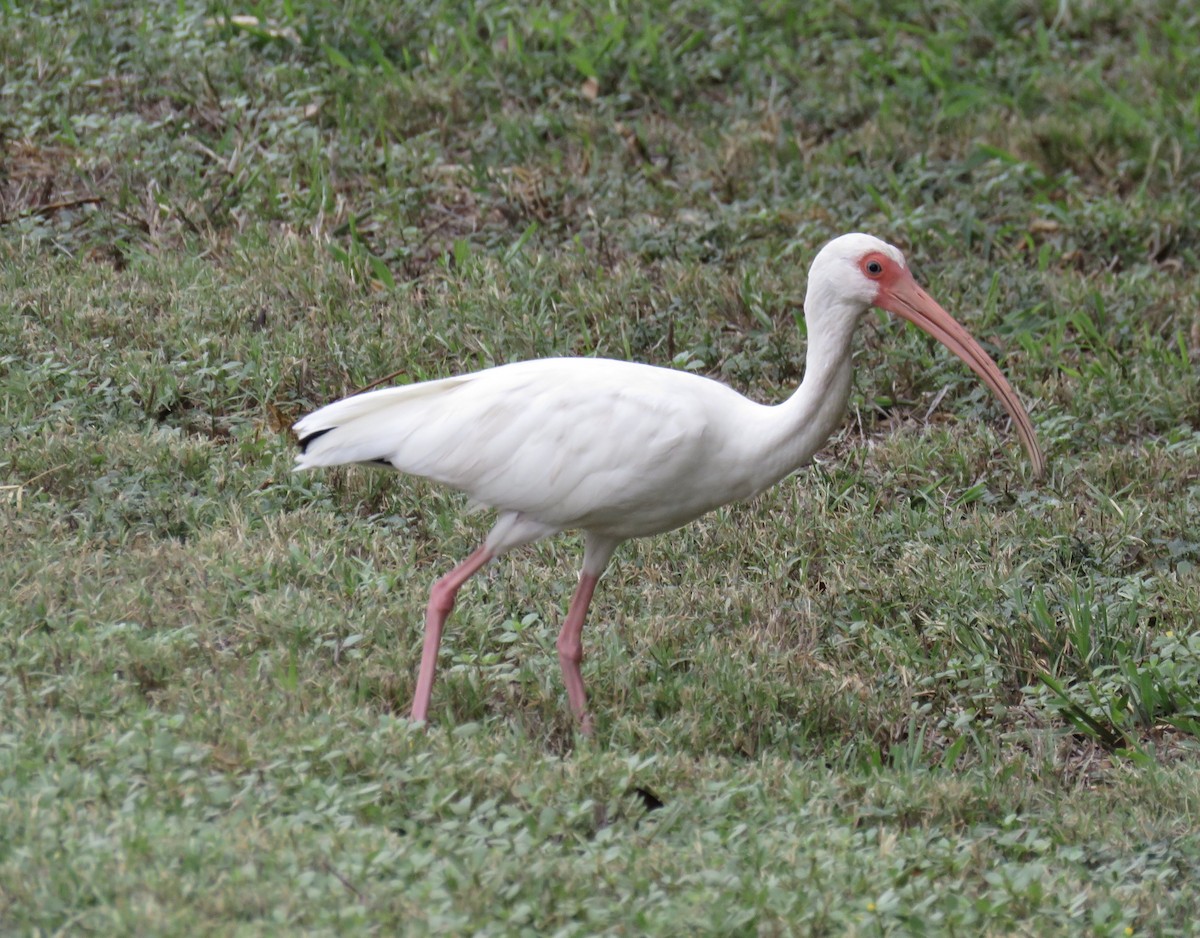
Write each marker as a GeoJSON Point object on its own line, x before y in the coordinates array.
{"type": "Point", "coordinates": [620, 450]}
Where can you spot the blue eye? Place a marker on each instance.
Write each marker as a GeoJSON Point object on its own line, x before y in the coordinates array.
{"type": "Point", "coordinates": [874, 268]}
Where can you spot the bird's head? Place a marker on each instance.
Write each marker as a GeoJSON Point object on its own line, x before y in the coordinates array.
{"type": "Point", "coordinates": [854, 272]}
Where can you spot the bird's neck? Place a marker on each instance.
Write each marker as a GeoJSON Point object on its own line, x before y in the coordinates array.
{"type": "Point", "coordinates": [799, 426]}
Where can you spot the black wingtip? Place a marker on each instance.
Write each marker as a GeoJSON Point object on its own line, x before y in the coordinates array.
{"type": "Point", "coordinates": [305, 440]}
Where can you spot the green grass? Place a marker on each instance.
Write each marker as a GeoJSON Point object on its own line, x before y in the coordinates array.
{"type": "Point", "coordinates": [907, 691]}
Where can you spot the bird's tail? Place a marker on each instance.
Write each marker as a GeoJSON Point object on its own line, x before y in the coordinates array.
{"type": "Point", "coordinates": [363, 428]}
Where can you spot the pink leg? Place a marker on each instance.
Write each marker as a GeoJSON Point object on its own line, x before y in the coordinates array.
{"type": "Point", "coordinates": [441, 601]}
{"type": "Point", "coordinates": [570, 650]}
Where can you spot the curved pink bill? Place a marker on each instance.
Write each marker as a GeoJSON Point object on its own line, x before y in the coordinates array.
{"type": "Point", "coordinates": [901, 295]}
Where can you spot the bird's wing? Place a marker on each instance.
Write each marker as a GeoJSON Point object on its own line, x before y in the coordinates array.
{"type": "Point", "coordinates": [571, 442]}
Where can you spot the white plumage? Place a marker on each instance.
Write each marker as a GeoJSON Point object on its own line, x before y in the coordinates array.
{"type": "Point", "coordinates": [623, 450]}
{"type": "Point", "coordinates": [608, 446]}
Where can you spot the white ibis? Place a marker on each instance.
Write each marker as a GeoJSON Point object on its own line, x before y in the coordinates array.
{"type": "Point", "coordinates": [621, 450]}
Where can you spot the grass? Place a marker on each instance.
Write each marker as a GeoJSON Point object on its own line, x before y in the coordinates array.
{"type": "Point", "coordinates": [907, 691]}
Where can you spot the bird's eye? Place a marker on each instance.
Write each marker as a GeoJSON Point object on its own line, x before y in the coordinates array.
{"type": "Point", "coordinates": [874, 268]}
